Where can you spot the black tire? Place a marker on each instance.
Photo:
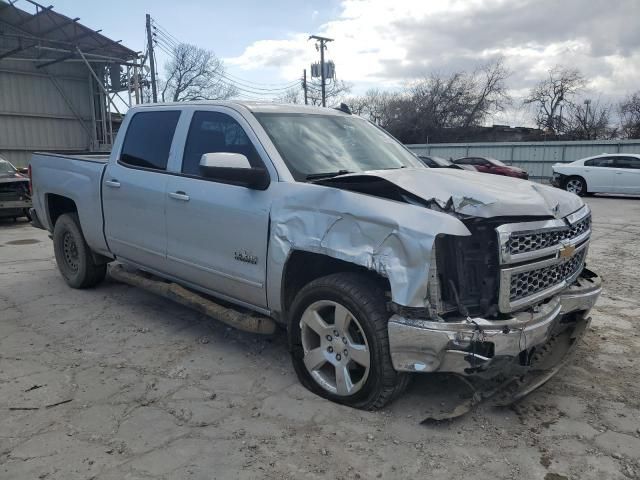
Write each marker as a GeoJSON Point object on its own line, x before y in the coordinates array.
{"type": "Point", "coordinates": [365, 299]}
{"type": "Point", "coordinates": [73, 255]}
{"type": "Point", "coordinates": [27, 214]}
{"type": "Point", "coordinates": [576, 184]}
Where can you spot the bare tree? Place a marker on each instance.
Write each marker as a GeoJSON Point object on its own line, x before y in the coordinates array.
{"type": "Point", "coordinates": [293, 95]}
{"type": "Point", "coordinates": [357, 105]}
{"type": "Point", "coordinates": [335, 92]}
{"type": "Point", "coordinates": [489, 88]}
{"type": "Point", "coordinates": [547, 96]}
{"type": "Point", "coordinates": [194, 73]}
{"type": "Point", "coordinates": [588, 121]}
{"type": "Point", "coordinates": [629, 110]}
{"type": "Point", "coordinates": [374, 104]}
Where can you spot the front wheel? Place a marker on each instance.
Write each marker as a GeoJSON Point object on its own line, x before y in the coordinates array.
{"type": "Point", "coordinates": [73, 255]}
{"type": "Point", "coordinates": [576, 185]}
{"type": "Point", "coordinates": [339, 341]}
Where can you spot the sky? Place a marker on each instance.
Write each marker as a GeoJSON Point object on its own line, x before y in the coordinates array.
{"type": "Point", "coordinates": [389, 43]}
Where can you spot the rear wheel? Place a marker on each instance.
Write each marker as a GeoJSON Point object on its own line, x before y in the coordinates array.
{"type": "Point", "coordinates": [339, 341]}
{"type": "Point", "coordinates": [576, 185]}
{"type": "Point", "coordinates": [73, 255]}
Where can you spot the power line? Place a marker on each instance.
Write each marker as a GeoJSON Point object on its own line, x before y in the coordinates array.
{"type": "Point", "coordinates": [167, 48]}
{"type": "Point", "coordinates": [230, 82]}
{"type": "Point", "coordinates": [168, 43]}
{"type": "Point", "coordinates": [249, 81]}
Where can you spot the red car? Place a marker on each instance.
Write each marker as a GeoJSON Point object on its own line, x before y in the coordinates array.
{"type": "Point", "coordinates": [491, 165]}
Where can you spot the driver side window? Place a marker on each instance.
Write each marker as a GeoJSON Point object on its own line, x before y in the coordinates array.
{"type": "Point", "coordinates": [213, 132]}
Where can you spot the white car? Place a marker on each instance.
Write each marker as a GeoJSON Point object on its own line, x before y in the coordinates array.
{"type": "Point", "coordinates": [606, 173]}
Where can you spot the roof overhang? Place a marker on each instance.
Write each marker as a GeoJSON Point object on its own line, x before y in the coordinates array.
{"type": "Point", "coordinates": [49, 37]}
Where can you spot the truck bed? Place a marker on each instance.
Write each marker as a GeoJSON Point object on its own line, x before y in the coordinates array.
{"type": "Point", "coordinates": [99, 157]}
{"type": "Point", "coordinates": [74, 176]}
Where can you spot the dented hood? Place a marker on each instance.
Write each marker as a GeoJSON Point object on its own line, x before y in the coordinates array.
{"type": "Point", "coordinates": [472, 193]}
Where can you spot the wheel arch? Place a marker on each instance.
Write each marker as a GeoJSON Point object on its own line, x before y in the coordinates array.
{"type": "Point", "coordinates": [57, 205]}
{"type": "Point", "coordinates": [303, 267]}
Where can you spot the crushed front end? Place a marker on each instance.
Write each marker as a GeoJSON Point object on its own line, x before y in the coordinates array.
{"type": "Point", "coordinates": [512, 297]}
{"type": "Point", "coordinates": [15, 199]}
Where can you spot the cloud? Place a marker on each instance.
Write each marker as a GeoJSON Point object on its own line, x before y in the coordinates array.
{"type": "Point", "coordinates": [388, 43]}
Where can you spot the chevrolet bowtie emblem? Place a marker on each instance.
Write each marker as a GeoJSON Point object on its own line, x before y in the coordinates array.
{"type": "Point", "coordinates": [567, 251]}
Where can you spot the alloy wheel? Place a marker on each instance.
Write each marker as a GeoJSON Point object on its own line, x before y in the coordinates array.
{"type": "Point", "coordinates": [336, 352]}
{"type": "Point", "coordinates": [574, 186]}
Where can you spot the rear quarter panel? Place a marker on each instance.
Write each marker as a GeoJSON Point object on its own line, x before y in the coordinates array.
{"type": "Point", "coordinates": [78, 180]}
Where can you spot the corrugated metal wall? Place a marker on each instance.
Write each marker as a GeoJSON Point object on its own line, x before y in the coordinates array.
{"type": "Point", "coordinates": [41, 110]}
{"type": "Point", "coordinates": [535, 157]}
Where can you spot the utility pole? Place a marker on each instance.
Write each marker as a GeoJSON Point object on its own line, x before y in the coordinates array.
{"type": "Point", "coordinates": [152, 60]}
{"type": "Point", "coordinates": [322, 41]}
{"type": "Point", "coordinates": [587, 102]}
{"type": "Point", "coordinates": [304, 86]}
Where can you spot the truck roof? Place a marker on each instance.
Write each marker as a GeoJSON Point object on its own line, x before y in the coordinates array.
{"type": "Point", "coordinates": [253, 106]}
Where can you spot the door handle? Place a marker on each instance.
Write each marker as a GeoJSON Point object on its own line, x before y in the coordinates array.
{"type": "Point", "coordinates": [619, 173]}
{"type": "Point", "coordinates": [180, 196]}
{"type": "Point", "coordinates": [113, 183]}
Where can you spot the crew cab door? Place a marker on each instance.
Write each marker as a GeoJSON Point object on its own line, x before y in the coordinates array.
{"type": "Point", "coordinates": [218, 232]}
{"type": "Point", "coordinates": [134, 190]}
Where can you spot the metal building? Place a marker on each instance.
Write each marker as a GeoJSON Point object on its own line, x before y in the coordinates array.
{"type": "Point", "coordinates": [63, 86]}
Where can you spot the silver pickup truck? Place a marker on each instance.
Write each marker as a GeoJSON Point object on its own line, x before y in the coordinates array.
{"type": "Point", "coordinates": [319, 221]}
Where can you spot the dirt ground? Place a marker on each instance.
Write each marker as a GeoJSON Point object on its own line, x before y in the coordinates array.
{"type": "Point", "coordinates": [114, 383]}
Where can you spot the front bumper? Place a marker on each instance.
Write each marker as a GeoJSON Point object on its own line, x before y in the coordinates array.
{"type": "Point", "coordinates": [477, 345]}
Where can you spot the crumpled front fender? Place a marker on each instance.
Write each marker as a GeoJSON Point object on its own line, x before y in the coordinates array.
{"type": "Point", "coordinates": [391, 238]}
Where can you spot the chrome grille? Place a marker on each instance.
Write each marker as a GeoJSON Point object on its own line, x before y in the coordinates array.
{"type": "Point", "coordinates": [533, 281]}
{"type": "Point", "coordinates": [532, 241]}
{"type": "Point", "coordinates": [538, 259]}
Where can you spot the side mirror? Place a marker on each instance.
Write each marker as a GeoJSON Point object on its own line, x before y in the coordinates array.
{"type": "Point", "coordinates": [23, 170]}
{"type": "Point", "coordinates": [233, 168]}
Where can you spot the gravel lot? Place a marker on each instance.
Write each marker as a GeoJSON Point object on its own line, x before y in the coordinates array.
{"type": "Point", "coordinates": [114, 383]}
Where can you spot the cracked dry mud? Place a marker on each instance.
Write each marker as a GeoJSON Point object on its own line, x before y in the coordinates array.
{"type": "Point", "coordinates": [150, 389]}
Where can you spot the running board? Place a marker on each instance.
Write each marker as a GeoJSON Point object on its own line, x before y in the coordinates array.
{"type": "Point", "coordinates": [247, 322]}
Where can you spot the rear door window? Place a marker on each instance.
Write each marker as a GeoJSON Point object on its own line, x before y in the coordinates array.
{"type": "Point", "coordinates": [148, 140]}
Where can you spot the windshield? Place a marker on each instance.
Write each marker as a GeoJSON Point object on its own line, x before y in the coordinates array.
{"type": "Point", "coordinates": [6, 167]}
{"type": "Point", "coordinates": [312, 145]}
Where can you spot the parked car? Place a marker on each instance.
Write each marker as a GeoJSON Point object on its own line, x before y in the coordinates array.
{"type": "Point", "coordinates": [15, 199]}
{"type": "Point", "coordinates": [491, 165]}
{"type": "Point", "coordinates": [439, 162]}
{"type": "Point", "coordinates": [606, 173]}
{"type": "Point", "coordinates": [317, 220]}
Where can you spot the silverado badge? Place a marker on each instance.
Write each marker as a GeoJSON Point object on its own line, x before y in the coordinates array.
{"type": "Point", "coordinates": [246, 257]}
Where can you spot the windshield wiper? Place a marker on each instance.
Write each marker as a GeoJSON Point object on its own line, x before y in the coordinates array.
{"type": "Point", "coordinates": [318, 176]}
